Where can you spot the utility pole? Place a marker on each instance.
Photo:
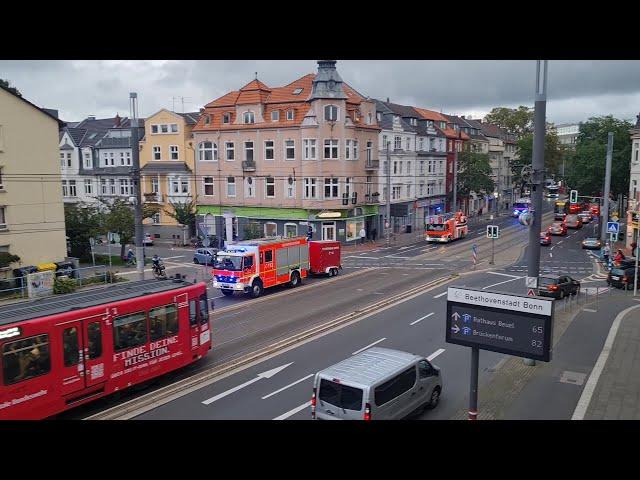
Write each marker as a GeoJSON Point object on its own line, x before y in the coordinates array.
{"type": "Point", "coordinates": [455, 176]}
{"type": "Point", "coordinates": [537, 176]}
{"type": "Point", "coordinates": [388, 220]}
{"type": "Point", "coordinates": [607, 188]}
{"type": "Point", "coordinates": [137, 184]}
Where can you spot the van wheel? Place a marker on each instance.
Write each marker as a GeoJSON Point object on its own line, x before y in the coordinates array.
{"type": "Point", "coordinates": [256, 289]}
{"type": "Point", "coordinates": [226, 292]}
{"type": "Point", "coordinates": [435, 398]}
{"type": "Point", "coordinates": [335, 272]}
{"type": "Point", "coordinates": [195, 260]}
{"type": "Point", "coordinates": [295, 279]}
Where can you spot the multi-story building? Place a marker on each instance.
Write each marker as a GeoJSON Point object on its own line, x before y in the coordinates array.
{"type": "Point", "coordinates": [31, 207]}
{"type": "Point", "coordinates": [633, 210]}
{"type": "Point", "coordinates": [511, 157]}
{"type": "Point", "coordinates": [167, 163]}
{"type": "Point", "coordinates": [478, 143]}
{"type": "Point", "coordinates": [276, 161]}
{"type": "Point", "coordinates": [499, 167]}
{"type": "Point", "coordinates": [568, 134]}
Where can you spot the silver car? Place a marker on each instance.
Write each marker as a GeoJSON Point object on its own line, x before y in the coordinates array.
{"type": "Point", "coordinates": [585, 217]}
{"type": "Point", "coordinates": [377, 384]}
{"type": "Point", "coordinates": [205, 256]}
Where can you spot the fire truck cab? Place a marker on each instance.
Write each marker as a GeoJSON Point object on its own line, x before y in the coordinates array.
{"type": "Point", "coordinates": [446, 227]}
{"type": "Point", "coordinates": [250, 266]}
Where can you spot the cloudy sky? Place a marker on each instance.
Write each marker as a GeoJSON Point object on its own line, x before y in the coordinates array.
{"type": "Point", "coordinates": [576, 89]}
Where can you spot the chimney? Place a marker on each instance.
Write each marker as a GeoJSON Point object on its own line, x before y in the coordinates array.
{"type": "Point", "coordinates": [202, 110]}
{"type": "Point", "coordinates": [388, 100]}
{"type": "Point", "coordinates": [117, 121]}
{"type": "Point", "coordinates": [462, 117]}
{"type": "Point", "coordinates": [91, 117]}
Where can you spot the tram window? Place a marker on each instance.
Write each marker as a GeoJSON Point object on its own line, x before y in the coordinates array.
{"type": "Point", "coordinates": [193, 313]}
{"type": "Point", "coordinates": [204, 310]}
{"type": "Point", "coordinates": [129, 331]}
{"type": "Point", "coordinates": [70, 347]}
{"type": "Point", "coordinates": [164, 321]}
{"type": "Point", "coordinates": [95, 340]}
{"type": "Point", "coordinates": [24, 359]}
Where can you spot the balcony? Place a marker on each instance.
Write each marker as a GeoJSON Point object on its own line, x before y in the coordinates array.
{"type": "Point", "coordinates": [370, 198]}
{"type": "Point", "coordinates": [372, 164]}
{"type": "Point", "coordinates": [248, 166]}
{"type": "Point", "coordinates": [154, 197]}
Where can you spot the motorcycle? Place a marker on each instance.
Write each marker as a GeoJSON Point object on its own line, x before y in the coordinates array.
{"type": "Point", "coordinates": [159, 271]}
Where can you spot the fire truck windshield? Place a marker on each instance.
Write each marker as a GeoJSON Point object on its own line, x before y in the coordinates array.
{"type": "Point", "coordinates": [228, 262]}
{"type": "Point", "coordinates": [437, 227]}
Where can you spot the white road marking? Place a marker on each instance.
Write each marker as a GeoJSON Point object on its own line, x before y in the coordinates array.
{"type": "Point", "coordinates": [435, 354]}
{"type": "Point", "coordinates": [500, 283]}
{"type": "Point", "coordinates": [589, 388]}
{"type": "Point", "coordinates": [589, 310]}
{"type": "Point", "coordinates": [290, 385]}
{"type": "Point", "coordinates": [369, 346]}
{"type": "Point", "coordinates": [551, 254]}
{"type": "Point", "coordinates": [422, 318]}
{"type": "Point", "coordinates": [504, 274]}
{"type": "Point", "coordinates": [395, 256]}
{"type": "Point", "coordinates": [284, 416]}
{"type": "Point", "coordinates": [360, 256]}
{"type": "Point", "coordinates": [440, 295]}
{"type": "Point", "coordinates": [177, 256]}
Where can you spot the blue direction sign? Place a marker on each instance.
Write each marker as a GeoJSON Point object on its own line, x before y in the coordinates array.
{"type": "Point", "coordinates": [613, 227]}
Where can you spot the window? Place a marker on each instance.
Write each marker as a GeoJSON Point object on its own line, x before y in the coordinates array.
{"type": "Point", "coordinates": [421, 189]}
{"type": "Point", "coordinates": [226, 118]}
{"type": "Point", "coordinates": [121, 158]}
{"type": "Point", "coordinates": [88, 187]}
{"type": "Point", "coordinates": [250, 187]}
{"type": "Point", "coordinates": [379, 116]}
{"type": "Point", "coordinates": [129, 158]}
{"type": "Point", "coordinates": [208, 186]}
{"type": "Point", "coordinates": [154, 128]}
{"type": "Point", "coordinates": [369, 119]}
{"type": "Point", "coordinates": [204, 310]}
{"type": "Point", "coordinates": [184, 186]}
{"type": "Point", "coordinates": [103, 186]}
{"type": "Point", "coordinates": [397, 143]}
{"type": "Point", "coordinates": [270, 230]}
{"type": "Point", "coordinates": [275, 115]}
{"type": "Point", "coordinates": [26, 358]}
{"type": "Point", "coordinates": [248, 151]}
{"type": "Point", "coordinates": [408, 143]}
{"type": "Point", "coordinates": [421, 167]}
{"type": "Point", "coordinates": [290, 187]}
{"type": "Point", "coordinates": [112, 186]}
{"type": "Point", "coordinates": [310, 188]}
{"type": "Point", "coordinates": [207, 119]}
{"type": "Point", "coordinates": [432, 144]}
{"type": "Point", "coordinates": [356, 151]}
{"type": "Point", "coordinates": [330, 113]}
{"type": "Point", "coordinates": [270, 187]}
{"type": "Point", "coordinates": [395, 387]}
{"type": "Point", "coordinates": [395, 192]}
{"type": "Point", "coordinates": [207, 151]}
{"type": "Point", "coordinates": [155, 218]}
{"type": "Point", "coordinates": [174, 128]}
{"type": "Point", "coordinates": [290, 149]}
{"type": "Point", "coordinates": [231, 187]}
{"type": "Point", "coordinates": [401, 163]}
{"type": "Point", "coordinates": [408, 190]}
{"type": "Point", "coordinates": [395, 167]}
{"type": "Point", "coordinates": [331, 189]}
{"type": "Point", "coordinates": [269, 153]}
{"type": "Point", "coordinates": [94, 333]}
{"type": "Point", "coordinates": [443, 125]}
{"type": "Point", "coordinates": [348, 182]}
{"type": "Point", "coordinates": [248, 117]}
{"type": "Point", "coordinates": [157, 155]}
{"type": "Point", "coordinates": [290, 230]}
{"type": "Point", "coordinates": [65, 189]}
{"type": "Point", "coordinates": [129, 331]}
{"type": "Point", "coordinates": [164, 128]}
{"type": "Point", "coordinates": [384, 142]}
{"type": "Point", "coordinates": [369, 151]}
{"type": "Point", "coordinates": [230, 149]}
{"type": "Point", "coordinates": [347, 151]}
{"type": "Point", "coordinates": [111, 159]}
{"type": "Point", "coordinates": [70, 347]}
{"type": "Point", "coordinates": [163, 322]}
{"type": "Point", "coordinates": [155, 185]}
{"type": "Point", "coordinates": [193, 313]}
{"type": "Point", "coordinates": [290, 114]}
{"type": "Point", "coordinates": [341, 396]}
{"type": "Point", "coordinates": [408, 168]}
{"type": "Point", "coordinates": [72, 188]}
{"type": "Point", "coordinates": [124, 186]}
{"type": "Point", "coordinates": [87, 160]}
{"type": "Point", "coordinates": [309, 149]}
{"type": "Point", "coordinates": [173, 149]}
{"type": "Point", "coordinates": [297, 91]}
{"type": "Point", "coordinates": [331, 149]}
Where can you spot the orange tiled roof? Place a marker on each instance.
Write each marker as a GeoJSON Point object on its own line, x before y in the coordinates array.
{"type": "Point", "coordinates": [226, 100]}
{"type": "Point", "coordinates": [255, 85]}
{"type": "Point", "coordinates": [430, 115]}
{"type": "Point", "coordinates": [285, 94]}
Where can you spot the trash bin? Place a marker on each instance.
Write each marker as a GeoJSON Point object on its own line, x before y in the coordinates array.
{"type": "Point", "coordinates": [21, 273]}
{"type": "Point", "coordinates": [65, 268]}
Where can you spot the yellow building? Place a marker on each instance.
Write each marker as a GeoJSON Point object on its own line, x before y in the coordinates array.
{"type": "Point", "coordinates": [168, 170]}
{"type": "Point", "coordinates": [31, 208]}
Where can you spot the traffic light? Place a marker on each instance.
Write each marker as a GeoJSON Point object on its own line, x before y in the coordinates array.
{"type": "Point", "coordinates": [573, 197]}
{"type": "Point", "coordinates": [493, 231]}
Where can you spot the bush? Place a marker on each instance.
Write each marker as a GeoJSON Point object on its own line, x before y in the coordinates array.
{"type": "Point", "coordinates": [7, 259]}
{"type": "Point", "coordinates": [64, 285]}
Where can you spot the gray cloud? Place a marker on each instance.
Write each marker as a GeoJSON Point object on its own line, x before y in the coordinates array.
{"type": "Point", "coordinates": [577, 89]}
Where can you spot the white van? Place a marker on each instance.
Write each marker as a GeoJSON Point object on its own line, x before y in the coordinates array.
{"type": "Point", "coordinates": [377, 384]}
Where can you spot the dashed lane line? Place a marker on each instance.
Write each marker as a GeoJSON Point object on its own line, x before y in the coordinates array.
{"type": "Point", "coordinates": [292, 412]}
{"type": "Point", "coordinates": [290, 385]}
{"type": "Point", "coordinates": [440, 295]}
{"type": "Point", "coordinates": [435, 354]}
{"type": "Point", "coordinates": [421, 318]}
{"type": "Point", "coordinates": [369, 346]}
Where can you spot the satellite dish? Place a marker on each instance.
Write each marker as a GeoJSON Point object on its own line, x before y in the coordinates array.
{"type": "Point", "coordinates": [526, 219]}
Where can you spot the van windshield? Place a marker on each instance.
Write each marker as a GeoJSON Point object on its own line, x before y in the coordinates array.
{"type": "Point", "coordinates": [341, 396]}
{"type": "Point", "coordinates": [436, 227]}
{"type": "Point", "coordinates": [228, 262]}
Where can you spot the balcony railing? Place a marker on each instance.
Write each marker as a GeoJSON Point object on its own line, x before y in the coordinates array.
{"type": "Point", "coordinates": [248, 166]}
{"type": "Point", "coordinates": [372, 164]}
{"type": "Point", "coordinates": [371, 198]}
{"type": "Point", "coordinates": [154, 197]}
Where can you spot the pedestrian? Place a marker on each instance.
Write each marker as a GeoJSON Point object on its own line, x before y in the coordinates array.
{"type": "Point", "coordinates": [634, 245]}
{"type": "Point", "coordinates": [363, 235]}
{"type": "Point", "coordinates": [374, 233]}
{"type": "Point", "coordinates": [618, 258]}
{"type": "Point", "coordinates": [605, 253]}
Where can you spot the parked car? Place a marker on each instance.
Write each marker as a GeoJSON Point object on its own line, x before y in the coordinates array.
{"type": "Point", "coordinates": [148, 240]}
{"type": "Point", "coordinates": [205, 256]}
{"type": "Point", "coordinates": [377, 384]}
{"type": "Point", "coordinates": [557, 228]}
{"type": "Point", "coordinates": [592, 243]}
{"type": "Point", "coordinates": [545, 238]}
{"type": "Point", "coordinates": [558, 286]}
{"type": "Point", "coordinates": [573, 221]}
{"type": "Point", "coordinates": [585, 216]}
{"type": "Point", "coordinates": [622, 277]}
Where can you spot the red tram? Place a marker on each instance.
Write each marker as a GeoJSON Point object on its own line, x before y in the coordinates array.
{"type": "Point", "coordinates": [60, 352]}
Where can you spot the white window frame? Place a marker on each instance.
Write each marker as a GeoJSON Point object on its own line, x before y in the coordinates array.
{"type": "Point", "coordinates": [73, 192]}
{"type": "Point", "coordinates": [226, 118]}
{"type": "Point", "coordinates": [290, 224]}
{"type": "Point", "coordinates": [272, 148]}
{"type": "Point", "coordinates": [290, 115]}
{"type": "Point", "coordinates": [206, 184]}
{"type": "Point", "coordinates": [348, 184]}
{"type": "Point", "coordinates": [333, 144]}
{"type": "Point", "coordinates": [249, 149]}
{"type": "Point", "coordinates": [268, 184]}
{"type": "Point", "coordinates": [265, 229]}
{"type": "Point", "coordinates": [202, 151]}
{"type": "Point", "coordinates": [275, 115]}
{"type": "Point", "coordinates": [112, 187]}
{"type": "Point", "coordinates": [155, 129]}
{"type": "Point", "coordinates": [334, 186]}
{"type": "Point", "coordinates": [87, 160]}
{"type": "Point", "coordinates": [234, 187]}
{"type": "Point", "coordinates": [336, 109]}
{"type": "Point", "coordinates": [3, 218]}
{"type": "Point", "coordinates": [230, 147]}
{"type": "Point", "coordinates": [356, 150]}
{"type": "Point", "coordinates": [88, 186]}
{"type": "Point", "coordinates": [155, 185]}
{"type": "Point", "coordinates": [369, 151]}
{"type": "Point", "coordinates": [184, 182]}
{"type": "Point", "coordinates": [347, 149]}
{"type": "Point", "coordinates": [128, 155]}
{"type": "Point", "coordinates": [103, 187]}
{"type": "Point", "coordinates": [289, 190]}
{"type": "Point", "coordinates": [171, 129]}
{"type": "Point", "coordinates": [248, 117]}
{"type": "Point", "coordinates": [122, 159]}
{"type": "Point", "coordinates": [287, 148]}
{"type": "Point", "coordinates": [172, 151]}
{"type": "Point", "coordinates": [397, 143]}
{"type": "Point", "coordinates": [250, 188]}
{"type": "Point", "coordinates": [164, 128]}
{"type": "Point", "coordinates": [157, 153]}
{"type": "Point", "coordinates": [125, 187]}
{"type": "Point", "coordinates": [310, 190]}
{"type": "Point", "coordinates": [156, 218]}
{"type": "Point", "coordinates": [65, 188]}
{"type": "Point", "coordinates": [309, 148]}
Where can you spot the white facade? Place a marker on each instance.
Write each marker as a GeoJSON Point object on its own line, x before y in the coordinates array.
{"type": "Point", "coordinates": [634, 186]}
{"type": "Point", "coordinates": [73, 184]}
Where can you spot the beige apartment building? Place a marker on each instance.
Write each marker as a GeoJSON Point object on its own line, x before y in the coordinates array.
{"type": "Point", "coordinates": [167, 164]}
{"type": "Point", "coordinates": [31, 208]}
{"type": "Point", "coordinates": [283, 160]}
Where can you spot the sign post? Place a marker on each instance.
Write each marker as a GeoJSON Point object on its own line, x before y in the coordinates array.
{"type": "Point", "coordinates": [516, 325]}
{"type": "Point", "coordinates": [493, 232]}
{"type": "Point", "coordinates": [474, 250]}
{"type": "Point", "coordinates": [92, 242]}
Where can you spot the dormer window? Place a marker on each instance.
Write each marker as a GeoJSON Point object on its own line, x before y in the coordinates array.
{"type": "Point", "coordinates": [226, 118]}
{"type": "Point", "coordinates": [275, 115]}
{"type": "Point", "coordinates": [414, 121]}
{"type": "Point", "coordinates": [297, 91]}
{"type": "Point", "coordinates": [249, 117]}
{"type": "Point", "coordinates": [369, 119]}
{"type": "Point", "coordinates": [443, 125]}
{"type": "Point", "coordinates": [396, 120]}
{"type": "Point", "coordinates": [207, 119]}
{"type": "Point", "coordinates": [330, 113]}
{"type": "Point", "coordinates": [290, 114]}
{"type": "Point", "coordinates": [379, 116]}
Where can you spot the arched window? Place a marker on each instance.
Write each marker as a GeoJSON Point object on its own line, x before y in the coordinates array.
{"type": "Point", "coordinates": [330, 113]}
{"type": "Point", "coordinates": [207, 151]}
{"type": "Point", "coordinates": [249, 117]}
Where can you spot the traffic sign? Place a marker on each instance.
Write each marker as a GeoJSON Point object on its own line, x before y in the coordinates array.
{"type": "Point", "coordinates": [573, 196]}
{"type": "Point", "coordinates": [493, 231]}
{"type": "Point", "coordinates": [532, 282]}
{"type": "Point", "coordinates": [512, 324]}
{"type": "Point", "coordinates": [531, 293]}
{"type": "Point", "coordinates": [92, 241]}
{"type": "Point", "coordinates": [613, 227]}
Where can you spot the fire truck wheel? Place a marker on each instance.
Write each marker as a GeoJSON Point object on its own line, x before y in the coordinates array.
{"type": "Point", "coordinates": [256, 289]}
{"type": "Point", "coordinates": [334, 272]}
{"type": "Point", "coordinates": [295, 279]}
{"type": "Point", "coordinates": [228, 293]}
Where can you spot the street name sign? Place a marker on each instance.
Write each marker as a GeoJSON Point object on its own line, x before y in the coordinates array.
{"type": "Point", "coordinates": [613, 227]}
{"type": "Point", "coordinates": [493, 231]}
{"type": "Point", "coordinates": [517, 325]}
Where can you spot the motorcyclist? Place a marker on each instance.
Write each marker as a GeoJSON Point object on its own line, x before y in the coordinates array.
{"type": "Point", "coordinates": [157, 263]}
{"type": "Point", "coordinates": [130, 256]}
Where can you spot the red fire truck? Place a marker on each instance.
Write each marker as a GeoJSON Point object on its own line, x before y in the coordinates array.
{"type": "Point", "coordinates": [446, 227]}
{"type": "Point", "coordinates": [64, 351]}
{"type": "Point", "coordinates": [250, 266]}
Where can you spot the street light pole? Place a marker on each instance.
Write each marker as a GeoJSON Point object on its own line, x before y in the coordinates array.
{"type": "Point", "coordinates": [388, 219]}
{"type": "Point", "coordinates": [135, 162]}
{"type": "Point", "coordinates": [607, 188]}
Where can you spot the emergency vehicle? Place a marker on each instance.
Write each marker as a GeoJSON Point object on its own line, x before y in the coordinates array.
{"type": "Point", "coordinates": [250, 266]}
{"type": "Point", "coordinates": [522, 205]}
{"type": "Point", "coordinates": [446, 227]}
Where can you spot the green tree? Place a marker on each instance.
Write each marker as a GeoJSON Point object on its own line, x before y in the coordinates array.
{"type": "Point", "coordinates": [586, 170]}
{"type": "Point", "coordinates": [554, 153]}
{"type": "Point", "coordinates": [474, 174]}
{"type": "Point", "coordinates": [6, 84]}
{"type": "Point", "coordinates": [518, 121]}
{"type": "Point", "coordinates": [82, 222]}
{"type": "Point", "coordinates": [184, 214]}
{"type": "Point", "coordinates": [119, 218]}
